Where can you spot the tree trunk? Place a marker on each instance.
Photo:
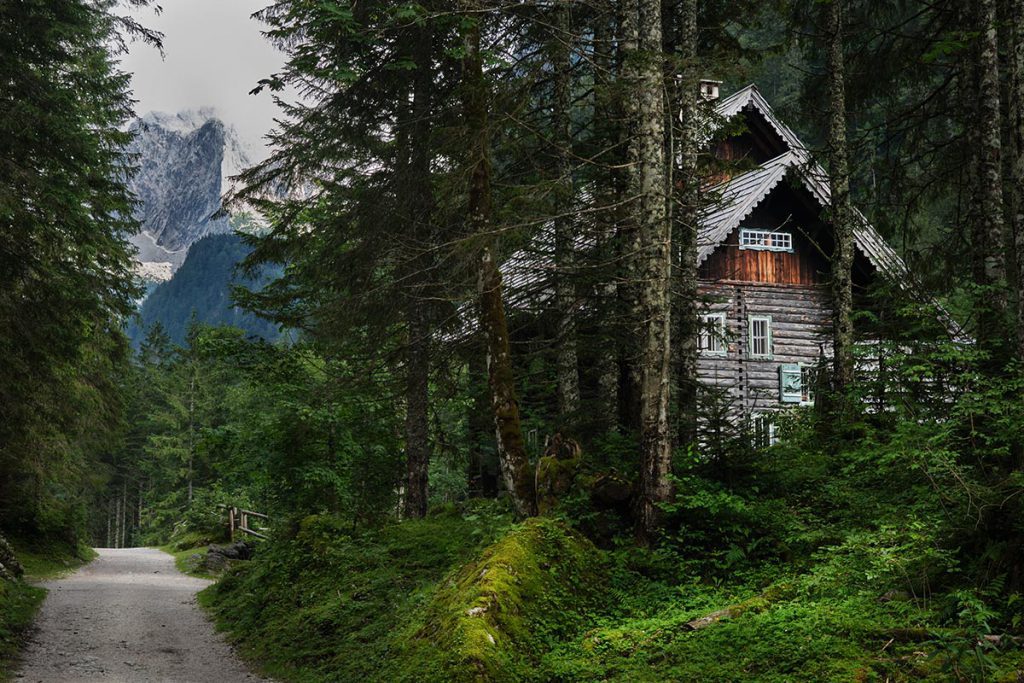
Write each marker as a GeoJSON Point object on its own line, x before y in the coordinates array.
{"type": "Point", "coordinates": [987, 229]}
{"type": "Point", "coordinates": [124, 513]}
{"type": "Point", "coordinates": [842, 211]}
{"type": "Point", "coordinates": [512, 457]}
{"type": "Point", "coordinates": [117, 521]}
{"type": "Point", "coordinates": [647, 192]}
{"type": "Point", "coordinates": [607, 126]}
{"type": "Point", "coordinates": [417, 437]}
{"type": "Point", "coordinates": [565, 228]}
{"type": "Point", "coordinates": [1016, 64]}
{"type": "Point", "coordinates": [687, 223]}
{"type": "Point", "coordinates": [420, 212]}
{"type": "Point", "coordinates": [191, 428]}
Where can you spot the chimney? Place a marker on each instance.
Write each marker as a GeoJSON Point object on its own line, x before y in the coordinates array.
{"type": "Point", "coordinates": [709, 89]}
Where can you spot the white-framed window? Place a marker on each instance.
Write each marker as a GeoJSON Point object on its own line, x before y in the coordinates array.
{"type": "Point", "coordinates": [764, 431]}
{"type": "Point", "coordinates": [712, 339]}
{"type": "Point", "coordinates": [807, 381]}
{"type": "Point", "coordinates": [759, 342]}
{"type": "Point", "coordinates": [767, 240]}
{"type": "Point", "coordinates": [790, 383]}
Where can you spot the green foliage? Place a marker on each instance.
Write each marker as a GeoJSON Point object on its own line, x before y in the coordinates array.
{"type": "Point", "coordinates": [18, 605]}
{"type": "Point", "coordinates": [334, 602]}
{"type": "Point", "coordinates": [203, 287]}
{"type": "Point", "coordinates": [65, 281]}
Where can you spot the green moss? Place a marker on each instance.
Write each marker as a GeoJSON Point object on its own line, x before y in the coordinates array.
{"type": "Point", "coordinates": [494, 618]}
{"type": "Point", "coordinates": [333, 604]}
{"type": "Point", "coordinates": [184, 560]}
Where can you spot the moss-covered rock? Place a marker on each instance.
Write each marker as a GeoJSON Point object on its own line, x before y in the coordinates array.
{"type": "Point", "coordinates": [494, 618]}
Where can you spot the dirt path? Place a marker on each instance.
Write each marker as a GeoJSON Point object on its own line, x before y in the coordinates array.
{"type": "Point", "coordinates": [127, 616]}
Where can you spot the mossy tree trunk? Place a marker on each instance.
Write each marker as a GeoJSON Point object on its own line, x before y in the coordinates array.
{"type": "Point", "coordinates": [687, 222]}
{"type": "Point", "coordinates": [988, 226]}
{"type": "Point", "coordinates": [841, 209]}
{"type": "Point", "coordinates": [512, 456]}
{"type": "Point", "coordinates": [647, 188]}
{"type": "Point", "coordinates": [1015, 20]}
{"type": "Point", "coordinates": [565, 222]}
{"type": "Point", "coordinates": [608, 125]}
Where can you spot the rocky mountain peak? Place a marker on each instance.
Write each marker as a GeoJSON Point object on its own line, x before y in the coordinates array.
{"type": "Point", "coordinates": [185, 162]}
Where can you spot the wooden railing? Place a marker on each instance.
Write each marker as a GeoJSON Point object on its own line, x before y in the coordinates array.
{"type": "Point", "coordinates": [238, 520]}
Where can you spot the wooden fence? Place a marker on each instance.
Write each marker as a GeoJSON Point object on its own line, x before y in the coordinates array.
{"type": "Point", "coordinates": [239, 520]}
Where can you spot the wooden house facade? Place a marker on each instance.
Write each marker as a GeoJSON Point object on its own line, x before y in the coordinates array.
{"type": "Point", "coordinates": [764, 263]}
{"type": "Point", "coordinates": [764, 253]}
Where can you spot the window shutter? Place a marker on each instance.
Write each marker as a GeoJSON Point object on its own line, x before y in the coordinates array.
{"type": "Point", "coordinates": [790, 383]}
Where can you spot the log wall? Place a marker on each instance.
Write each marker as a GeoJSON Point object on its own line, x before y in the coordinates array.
{"type": "Point", "coordinates": [801, 323]}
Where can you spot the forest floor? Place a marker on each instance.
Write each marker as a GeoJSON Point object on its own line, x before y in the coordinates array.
{"type": "Point", "coordinates": [128, 615]}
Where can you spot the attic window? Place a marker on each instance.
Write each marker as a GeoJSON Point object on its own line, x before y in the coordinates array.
{"type": "Point", "coordinates": [766, 240]}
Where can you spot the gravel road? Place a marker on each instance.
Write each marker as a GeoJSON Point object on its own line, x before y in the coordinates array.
{"type": "Point", "coordinates": [130, 616]}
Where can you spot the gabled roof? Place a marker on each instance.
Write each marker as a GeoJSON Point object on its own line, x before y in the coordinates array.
{"type": "Point", "coordinates": [739, 196]}
{"type": "Point", "coordinates": [750, 96]}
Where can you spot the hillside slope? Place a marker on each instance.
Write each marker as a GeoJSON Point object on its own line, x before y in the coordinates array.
{"type": "Point", "coordinates": [203, 285]}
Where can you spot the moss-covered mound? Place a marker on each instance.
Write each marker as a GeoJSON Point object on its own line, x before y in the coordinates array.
{"type": "Point", "coordinates": [494, 618]}
{"type": "Point", "coordinates": [332, 604]}
{"type": "Point", "coordinates": [447, 598]}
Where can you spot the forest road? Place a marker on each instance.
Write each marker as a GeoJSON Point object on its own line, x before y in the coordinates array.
{"type": "Point", "coordinates": [130, 616]}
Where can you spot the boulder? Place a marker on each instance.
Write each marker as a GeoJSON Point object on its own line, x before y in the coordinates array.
{"type": "Point", "coordinates": [10, 567]}
{"type": "Point", "coordinates": [219, 556]}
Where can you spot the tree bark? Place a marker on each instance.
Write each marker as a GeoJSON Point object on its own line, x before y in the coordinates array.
{"type": "Point", "coordinates": [842, 211]}
{"type": "Point", "coordinates": [608, 126]}
{"type": "Point", "coordinates": [988, 227]}
{"type": "Point", "coordinates": [1016, 64]}
{"type": "Point", "coordinates": [512, 456]}
{"type": "Point", "coordinates": [565, 228]}
{"type": "Point", "coordinates": [418, 187]}
{"type": "Point", "coordinates": [649, 213]}
{"type": "Point", "coordinates": [417, 396]}
{"type": "Point", "coordinates": [687, 223]}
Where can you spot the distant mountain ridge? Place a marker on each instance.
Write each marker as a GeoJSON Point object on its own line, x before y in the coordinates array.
{"type": "Point", "coordinates": [203, 286]}
{"type": "Point", "coordinates": [184, 163]}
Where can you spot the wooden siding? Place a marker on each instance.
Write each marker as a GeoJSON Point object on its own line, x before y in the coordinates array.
{"type": "Point", "coordinates": [801, 320]}
{"type": "Point", "coordinates": [730, 262]}
{"type": "Point", "coordinates": [785, 210]}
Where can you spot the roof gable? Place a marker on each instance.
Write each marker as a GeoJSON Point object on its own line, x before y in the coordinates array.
{"type": "Point", "coordinates": [737, 197]}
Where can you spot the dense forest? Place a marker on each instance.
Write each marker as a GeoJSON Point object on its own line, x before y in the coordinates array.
{"type": "Point", "coordinates": [484, 445]}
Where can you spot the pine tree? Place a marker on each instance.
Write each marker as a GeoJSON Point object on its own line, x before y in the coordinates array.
{"type": "Point", "coordinates": [65, 280]}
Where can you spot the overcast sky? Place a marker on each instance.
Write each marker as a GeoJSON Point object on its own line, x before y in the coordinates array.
{"type": "Point", "coordinates": [214, 56]}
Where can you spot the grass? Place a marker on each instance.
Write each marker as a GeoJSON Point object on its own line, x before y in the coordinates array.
{"type": "Point", "coordinates": [18, 604]}
{"type": "Point", "coordinates": [332, 604]}
{"type": "Point", "coordinates": [45, 562]}
{"type": "Point", "coordinates": [184, 562]}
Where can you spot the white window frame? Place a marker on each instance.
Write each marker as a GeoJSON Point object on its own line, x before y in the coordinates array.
{"type": "Point", "coordinates": [764, 430]}
{"type": "Point", "coordinates": [767, 355]}
{"type": "Point", "coordinates": [713, 334]}
{"type": "Point", "coordinates": [766, 240]}
{"type": "Point", "coordinates": [807, 384]}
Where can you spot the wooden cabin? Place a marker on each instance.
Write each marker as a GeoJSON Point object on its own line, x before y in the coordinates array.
{"type": "Point", "coordinates": [764, 249]}
{"type": "Point", "coordinates": [764, 273]}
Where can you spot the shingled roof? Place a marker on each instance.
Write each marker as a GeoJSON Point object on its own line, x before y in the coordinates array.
{"type": "Point", "coordinates": [739, 196]}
